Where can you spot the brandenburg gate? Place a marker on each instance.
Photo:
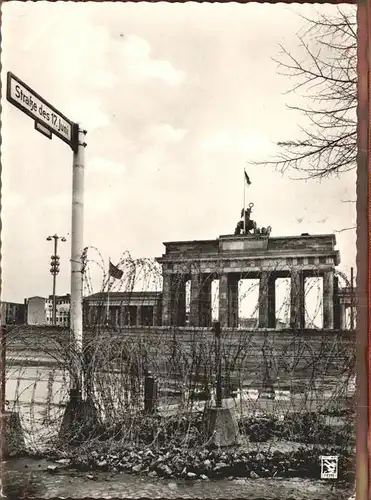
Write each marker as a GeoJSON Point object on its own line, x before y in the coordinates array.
{"type": "Point", "coordinates": [248, 256]}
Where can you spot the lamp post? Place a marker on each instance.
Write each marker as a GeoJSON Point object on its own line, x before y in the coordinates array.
{"type": "Point", "coordinates": [54, 269]}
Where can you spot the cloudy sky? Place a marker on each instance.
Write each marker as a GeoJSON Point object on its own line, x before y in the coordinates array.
{"type": "Point", "coordinates": [176, 100]}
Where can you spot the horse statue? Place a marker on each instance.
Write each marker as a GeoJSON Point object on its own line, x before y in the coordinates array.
{"type": "Point", "coordinates": [265, 231]}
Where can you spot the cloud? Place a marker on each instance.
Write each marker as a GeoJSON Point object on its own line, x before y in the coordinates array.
{"type": "Point", "coordinates": [13, 201]}
{"type": "Point", "coordinates": [102, 165]}
{"type": "Point", "coordinates": [167, 133]}
{"type": "Point", "coordinates": [136, 61]}
{"type": "Point", "coordinates": [101, 79]}
{"type": "Point", "coordinates": [218, 142]}
{"type": "Point", "coordinates": [175, 99]}
{"type": "Point", "coordinates": [101, 202]}
{"type": "Point", "coordinates": [163, 70]}
{"type": "Point", "coordinates": [95, 201]}
{"type": "Point", "coordinates": [57, 201]}
{"type": "Point", "coordinates": [253, 144]}
{"type": "Point", "coordinates": [90, 113]}
{"type": "Point", "coordinates": [246, 143]}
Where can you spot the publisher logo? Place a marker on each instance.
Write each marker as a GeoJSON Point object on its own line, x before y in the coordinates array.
{"type": "Point", "coordinates": [329, 467]}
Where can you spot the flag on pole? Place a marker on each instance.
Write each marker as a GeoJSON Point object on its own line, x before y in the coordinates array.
{"type": "Point", "coordinates": [114, 271]}
{"type": "Point", "coordinates": [247, 178]}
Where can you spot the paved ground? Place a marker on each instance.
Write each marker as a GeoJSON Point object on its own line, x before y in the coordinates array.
{"type": "Point", "coordinates": [27, 478]}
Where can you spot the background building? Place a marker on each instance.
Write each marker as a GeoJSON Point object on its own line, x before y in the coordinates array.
{"type": "Point", "coordinates": [63, 306]}
{"type": "Point", "coordinates": [35, 310]}
{"type": "Point", "coordinates": [123, 309]}
{"type": "Point", "coordinates": [40, 310]}
{"type": "Point", "coordinates": [13, 313]}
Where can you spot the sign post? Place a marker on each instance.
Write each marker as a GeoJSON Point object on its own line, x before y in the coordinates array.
{"type": "Point", "coordinates": [77, 248]}
{"type": "Point", "coordinates": [49, 121]}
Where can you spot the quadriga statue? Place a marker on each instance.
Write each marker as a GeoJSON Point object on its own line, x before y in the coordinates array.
{"type": "Point", "coordinates": [266, 231]}
{"type": "Point", "coordinates": [250, 225]}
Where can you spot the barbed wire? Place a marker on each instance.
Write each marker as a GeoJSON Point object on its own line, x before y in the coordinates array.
{"type": "Point", "coordinates": [270, 376]}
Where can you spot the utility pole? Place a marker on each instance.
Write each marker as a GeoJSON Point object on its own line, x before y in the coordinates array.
{"type": "Point", "coordinates": [54, 270]}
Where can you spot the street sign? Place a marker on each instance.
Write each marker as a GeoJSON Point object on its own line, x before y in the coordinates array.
{"type": "Point", "coordinates": [46, 117]}
{"type": "Point", "coordinates": [43, 130]}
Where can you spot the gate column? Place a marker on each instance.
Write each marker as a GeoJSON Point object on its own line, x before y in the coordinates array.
{"type": "Point", "coordinates": [166, 299]}
{"type": "Point", "coordinates": [205, 301]}
{"type": "Point", "coordinates": [194, 318]}
{"type": "Point", "coordinates": [267, 300]}
{"type": "Point", "coordinates": [328, 300]}
{"type": "Point", "coordinates": [233, 304]}
{"type": "Point", "coordinates": [180, 301]}
{"type": "Point", "coordinates": [272, 300]}
{"type": "Point", "coordinates": [297, 313]}
{"type": "Point", "coordinates": [223, 300]}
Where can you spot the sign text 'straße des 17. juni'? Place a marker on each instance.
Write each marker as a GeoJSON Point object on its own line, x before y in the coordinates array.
{"type": "Point", "coordinates": [29, 102]}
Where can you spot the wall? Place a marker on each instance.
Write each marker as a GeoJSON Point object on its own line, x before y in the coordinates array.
{"type": "Point", "coordinates": [291, 355]}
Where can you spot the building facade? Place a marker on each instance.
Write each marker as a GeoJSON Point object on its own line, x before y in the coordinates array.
{"type": "Point", "coordinates": [189, 269]}
{"type": "Point", "coordinates": [13, 313]}
{"type": "Point", "coordinates": [63, 306]}
{"type": "Point", "coordinates": [36, 311]}
{"type": "Point", "coordinates": [251, 256]}
{"type": "Point", "coordinates": [119, 309]}
{"type": "Point", "coordinates": [40, 310]}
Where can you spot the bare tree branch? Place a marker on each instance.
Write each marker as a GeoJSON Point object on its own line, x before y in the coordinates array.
{"type": "Point", "coordinates": [345, 229]}
{"type": "Point", "coordinates": [327, 75]}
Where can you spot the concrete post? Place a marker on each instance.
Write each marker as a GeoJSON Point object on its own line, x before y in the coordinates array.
{"type": "Point", "coordinates": [328, 299]}
{"type": "Point", "coordinates": [77, 249]}
{"type": "Point", "coordinates": [297, 313]}
{"type": "Point", "coordinates": [149, 393]}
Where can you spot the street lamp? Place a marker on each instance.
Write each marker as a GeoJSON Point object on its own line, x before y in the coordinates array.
{"type": "Point", "coordinates": [54, 270]}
